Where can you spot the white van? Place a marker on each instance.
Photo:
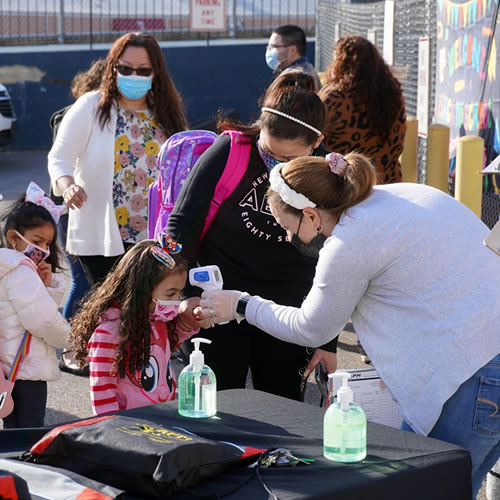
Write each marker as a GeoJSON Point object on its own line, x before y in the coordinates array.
{"type": "Point", "coordinates": [7, 117]}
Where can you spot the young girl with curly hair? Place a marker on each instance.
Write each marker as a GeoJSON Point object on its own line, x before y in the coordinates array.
{"type": "Point", "coordinates": [130, 325]}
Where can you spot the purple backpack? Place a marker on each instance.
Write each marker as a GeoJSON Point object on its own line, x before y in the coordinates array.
{"type": "Point", "coordinates": [177, 157]}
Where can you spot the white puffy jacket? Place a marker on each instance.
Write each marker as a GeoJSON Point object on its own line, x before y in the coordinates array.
{"type": "Point", "coordinates": [26, 304]}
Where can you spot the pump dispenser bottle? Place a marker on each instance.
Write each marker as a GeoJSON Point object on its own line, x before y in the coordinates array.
{"type": "Point", "coordinates": [344, 426]}
{"type": "Point", "coordinates": [197, 386]}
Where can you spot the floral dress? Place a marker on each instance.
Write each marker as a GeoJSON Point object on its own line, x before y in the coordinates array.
{"type": "Point", "coordinates": [138, 140]}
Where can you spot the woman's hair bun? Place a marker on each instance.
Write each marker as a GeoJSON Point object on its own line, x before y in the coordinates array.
{"type": "Point", "coordinates": [296, 77]}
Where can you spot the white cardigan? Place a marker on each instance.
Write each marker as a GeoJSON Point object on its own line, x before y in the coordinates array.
{"type": "Point", "coordinates": [86, 152]}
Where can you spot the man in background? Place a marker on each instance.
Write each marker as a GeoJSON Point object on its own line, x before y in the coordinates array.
{"type": "Point", "coordinates": [286, 49]}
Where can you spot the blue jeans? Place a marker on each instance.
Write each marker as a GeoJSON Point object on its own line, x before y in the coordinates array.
{"type": "Point", "coordinates": [79, 283]}
{"type": "Point", "coordinates": [471, 419]}
{"type": "Point", "coordinates": [79, 286]}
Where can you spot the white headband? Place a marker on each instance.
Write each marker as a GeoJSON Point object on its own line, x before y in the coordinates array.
{"type": "Point", "coordinates": [286, 193]}
{"type": "Point", "coordinates": [296, 120]}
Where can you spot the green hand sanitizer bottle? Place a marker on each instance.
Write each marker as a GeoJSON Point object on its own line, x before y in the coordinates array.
{"type": "Point", "coordinates": [197, 386]}
{"type": "Point", "coordinates": [344, 426]}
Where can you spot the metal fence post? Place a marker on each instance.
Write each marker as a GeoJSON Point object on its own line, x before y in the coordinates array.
{"type": "Point", "coordinates": [438, 156]}
{"type": "Point", "coordinates": [234, 20]}
{"type": "Point", "coordinates": [409, 156]}
{"type": "Point", "coordinates": [468, 182]}
{"type": "Point", "coordinates": [61, 21]}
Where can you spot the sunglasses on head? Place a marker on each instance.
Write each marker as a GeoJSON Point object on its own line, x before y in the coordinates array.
{"type": "Point", "coordinates": [128, 70]}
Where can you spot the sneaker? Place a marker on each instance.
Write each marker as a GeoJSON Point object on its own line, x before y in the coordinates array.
{"type": "Point", "coordinates": [70, 365]}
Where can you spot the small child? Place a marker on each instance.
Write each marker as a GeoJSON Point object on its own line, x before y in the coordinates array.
{"type": "Point", "coordinates": [131, 323]}
{"type": "Point", "coordinates": [29, 298]}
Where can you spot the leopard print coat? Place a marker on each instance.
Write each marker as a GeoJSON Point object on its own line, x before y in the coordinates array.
{"type": "Point", "coordinates": [347, 131]}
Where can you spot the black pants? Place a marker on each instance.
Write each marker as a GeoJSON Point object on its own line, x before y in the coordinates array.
{"type": "Point", "coordinates": [276, 366]}
{"type": "Point", "coordinates": [97, 267]}
{"type": "Point", "coordinates": [30, 401]}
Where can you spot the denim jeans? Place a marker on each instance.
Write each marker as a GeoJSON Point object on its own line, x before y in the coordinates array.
{"type": "Point", "coordinates": [79, 283]}
{"type": "Point", "coordinates": [79, 286]}
{"type": "Point", "coordinates": [471, 419]}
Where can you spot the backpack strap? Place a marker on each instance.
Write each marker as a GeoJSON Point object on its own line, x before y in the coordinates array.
{"type": "Point", "coordinates": [236, 166]}
{"type": "Point", "coordinates": [24, 346]}
{"type": "Point", "coordinates": [22, 352]}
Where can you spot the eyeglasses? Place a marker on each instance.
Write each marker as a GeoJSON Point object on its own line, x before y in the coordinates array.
{"type": "Point", "coordinates": [272, 46]}
{"type": "Point", "coordinates": [128, 70]}
{"type": "Point", "coordinates": [281, 159]}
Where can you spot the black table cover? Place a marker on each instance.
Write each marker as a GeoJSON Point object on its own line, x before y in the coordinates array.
{"type": "Point", "coordinates": [399, 465]}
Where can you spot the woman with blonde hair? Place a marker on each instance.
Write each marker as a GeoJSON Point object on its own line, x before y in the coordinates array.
{"type": "Point", "coordinates": [406, 262]}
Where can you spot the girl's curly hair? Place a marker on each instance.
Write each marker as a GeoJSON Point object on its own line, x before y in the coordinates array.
{"type": "Point", "coordinates": [359, 70]}
{"type": "Point", "coordinates": [85, 81]}
{"type": "Point", "coordinates": [129, 285]}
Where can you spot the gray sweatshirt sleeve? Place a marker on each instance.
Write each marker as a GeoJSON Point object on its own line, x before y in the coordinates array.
{"type": "Point", "coordinates": [340, 281]}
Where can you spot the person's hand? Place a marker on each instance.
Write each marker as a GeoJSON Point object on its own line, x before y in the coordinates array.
{"type": "Point", "coordinates": [186, 320]}
{"type": "Point", "coordinates": [74, 196]}
{"type": "Point", "coordinates": [44, 270]}
{"type": "Point", "coordinates": [220, 305]}
{"type": "Point", "coordinates": [203, 322]}
{"type": "Point", "coordinates": [328, 360]}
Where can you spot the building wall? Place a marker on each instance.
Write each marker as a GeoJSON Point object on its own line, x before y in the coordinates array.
{"type": "Point", "coordinates": [227, 74]}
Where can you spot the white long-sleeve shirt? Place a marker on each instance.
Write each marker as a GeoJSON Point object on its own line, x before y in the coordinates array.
{"type": "Point", "coordinates": [409, 267]}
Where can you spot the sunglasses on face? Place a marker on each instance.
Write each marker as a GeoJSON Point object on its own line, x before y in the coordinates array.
{"type": "Point", "coordinates": [128, 70]}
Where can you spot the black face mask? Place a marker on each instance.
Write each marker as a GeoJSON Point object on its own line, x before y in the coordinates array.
{"type": "Point", "coordinates": [310, 249]}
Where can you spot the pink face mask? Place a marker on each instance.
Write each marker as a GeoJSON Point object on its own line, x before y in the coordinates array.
{"type": "Point", "coordinates": [34, 252]}
{"type": "Point", "coordinates": [165, 310]}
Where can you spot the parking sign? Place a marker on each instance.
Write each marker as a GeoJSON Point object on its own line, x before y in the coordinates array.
{"type": "Point", "coordinates": [208, 15]}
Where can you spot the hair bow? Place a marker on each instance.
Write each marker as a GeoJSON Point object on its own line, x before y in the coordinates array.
{"type": "Point", "coordinates": [337, 163]}
{"type": "Point", "coordinates": [35, 194]}
{"type": "Point", "coordinates": [165, 247]}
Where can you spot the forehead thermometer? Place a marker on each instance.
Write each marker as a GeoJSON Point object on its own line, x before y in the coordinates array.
{"type": "Point", "coordinates": [209, 278]}
{"type": "Point", "coordinates": [206, 277]}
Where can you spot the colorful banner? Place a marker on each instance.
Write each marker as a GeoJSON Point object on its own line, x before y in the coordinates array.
{"type": "Point", "coordinates": [468, 79]}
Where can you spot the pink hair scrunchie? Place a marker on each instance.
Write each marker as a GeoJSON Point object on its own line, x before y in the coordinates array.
{"type": "Point", "coordinates": [337, 163]}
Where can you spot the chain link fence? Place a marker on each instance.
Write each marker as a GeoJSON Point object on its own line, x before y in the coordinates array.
{"type": "Point", "coordinates": [413, 19]}
{"type": "Point", "coordinates": [94, 21]}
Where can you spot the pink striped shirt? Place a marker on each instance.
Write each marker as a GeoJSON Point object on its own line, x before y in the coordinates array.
{"type": "Point", "coordinates": [155, 383]}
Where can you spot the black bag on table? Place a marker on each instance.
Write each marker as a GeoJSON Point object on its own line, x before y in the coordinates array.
{"type": "Point", "coordinates": [139, 456]}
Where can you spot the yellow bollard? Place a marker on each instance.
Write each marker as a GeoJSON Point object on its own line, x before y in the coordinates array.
{"type": "Point", "coordinates": [438, 156]}
{"type": "Point", "coordinates": [468, 182]}
{"type": "Point", "coordinates": [322, 77]}
{"type": "Point", "coordinates": [409, 156]}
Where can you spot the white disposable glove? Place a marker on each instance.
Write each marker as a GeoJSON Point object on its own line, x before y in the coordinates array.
{"type": "Point", "coordinates": [220, 305]}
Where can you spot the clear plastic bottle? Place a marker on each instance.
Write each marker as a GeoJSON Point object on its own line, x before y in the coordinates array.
{"type": "Point", "coordinates": [344, 426]}
{"type": "Point", "coordinates": [197, 386]}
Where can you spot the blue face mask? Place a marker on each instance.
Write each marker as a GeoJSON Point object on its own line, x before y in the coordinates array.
{"type": "Point", "coordinates": [134, 87]}
{"type": "Point", "coordinates": [268, 160]}
{"type": "Point", "coordinates": [272, 59]}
